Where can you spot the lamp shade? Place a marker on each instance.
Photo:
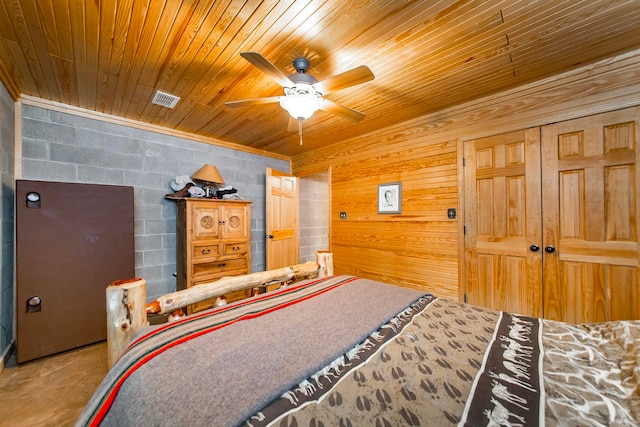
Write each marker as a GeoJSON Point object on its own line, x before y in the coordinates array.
{"type": "Point", "coordinates": [300, 106]}
{"type": "Point", "coordinates": [208, 173]}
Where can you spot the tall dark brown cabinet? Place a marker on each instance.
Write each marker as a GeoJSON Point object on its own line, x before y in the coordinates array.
{"type": "Point", "coordinates": [72, 240]}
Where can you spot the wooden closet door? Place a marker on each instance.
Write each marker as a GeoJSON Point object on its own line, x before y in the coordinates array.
{"type": "Point", "coordinates": [503, 234]}
{"type": "Point", "coordinates": [590, 205]}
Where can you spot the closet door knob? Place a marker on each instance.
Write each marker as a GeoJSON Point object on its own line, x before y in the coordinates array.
{"type": "Point", "coordinates": [534, 248]}
{"type": "Point", "coordinates": [549, 249]}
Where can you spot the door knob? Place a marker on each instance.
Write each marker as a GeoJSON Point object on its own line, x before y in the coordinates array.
{"type": "Point", "coordinates": [549, 249]}
{"type": "Point", "coordinates": [534, 248]}
{"type": "Point", "coordinates": [269, 236]}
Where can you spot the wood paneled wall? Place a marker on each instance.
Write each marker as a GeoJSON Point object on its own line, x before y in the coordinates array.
{"type": "Point", "coordinates": [399, 248]}
{"type": "Point", "coordinates": [421, 247]}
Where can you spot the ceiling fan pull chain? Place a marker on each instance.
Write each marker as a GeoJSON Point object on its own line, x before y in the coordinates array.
{"type": "Point", "coordinates": [300, 129]}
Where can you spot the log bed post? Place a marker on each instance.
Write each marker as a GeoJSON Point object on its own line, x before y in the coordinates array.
{"type": "Point", "coordinates": [126, 314]}
{"type": "Point", "coordinates": [325, 263]}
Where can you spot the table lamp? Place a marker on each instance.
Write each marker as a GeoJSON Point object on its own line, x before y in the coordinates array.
{"type": "Point", "coordinates": [209, 175]}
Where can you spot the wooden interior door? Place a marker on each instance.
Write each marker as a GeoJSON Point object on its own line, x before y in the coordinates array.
{"type": "Point", "coordinates": [283, 229]}
{"type": "Point", "coordinates": [591, 205]}
{"type": "Point", "coordinates": [503, 233]}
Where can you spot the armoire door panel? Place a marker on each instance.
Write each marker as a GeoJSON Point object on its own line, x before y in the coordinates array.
{"type": "Point", "coordinates": [205, 222]}
{"type": "Point", "coordinates": [590, 205]}
{"type": "Point", "coordinates": [502, 211]}
{"type": "Point", "coordinates": [234, 225]}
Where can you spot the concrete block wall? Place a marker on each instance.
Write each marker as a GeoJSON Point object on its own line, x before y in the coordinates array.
{"type": "Point", "coordinates": [314, 215]}
{"type": "Point", "coordinates": [7, 134]}
{"type": "Point", "coordinates": [64, 147]}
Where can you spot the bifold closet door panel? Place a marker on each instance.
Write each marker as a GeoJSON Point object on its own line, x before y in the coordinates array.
{"type": "Point", "coordinates": [72, 240]}
{"type": "Point", "coordinates": [591, 216]}
{"type": "Point", "coordinates": [503, 222]}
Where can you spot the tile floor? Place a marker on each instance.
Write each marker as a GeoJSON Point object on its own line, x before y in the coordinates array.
{"type": "Point", "coordinates": [51, 391]}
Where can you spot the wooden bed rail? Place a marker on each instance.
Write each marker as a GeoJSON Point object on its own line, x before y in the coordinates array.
{"type": "Point", "coordinates": [126, 299]}
{"type": "Point", "coordinates": [170, 302]}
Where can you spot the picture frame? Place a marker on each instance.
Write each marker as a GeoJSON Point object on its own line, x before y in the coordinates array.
{"type": "Point", "coordinates": [390, 198]}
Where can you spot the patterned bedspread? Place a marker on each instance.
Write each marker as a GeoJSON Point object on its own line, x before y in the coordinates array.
{"type": "Point", "coordinates": [348, 351]}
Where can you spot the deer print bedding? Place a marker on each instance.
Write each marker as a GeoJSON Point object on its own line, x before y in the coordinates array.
{"type": "Point", "coordinates": [349, 351]}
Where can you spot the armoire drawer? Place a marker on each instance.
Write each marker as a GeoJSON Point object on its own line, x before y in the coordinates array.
{"type": "Point", "coordinates": [202, 251]}
{"type": "Point", "coordinates": [235, 248]}
{"type": "Point", "coordinates": [222, 266]}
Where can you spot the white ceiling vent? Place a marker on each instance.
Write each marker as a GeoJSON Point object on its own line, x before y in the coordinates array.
{"type": "Point", "coordinates": [165, 99]}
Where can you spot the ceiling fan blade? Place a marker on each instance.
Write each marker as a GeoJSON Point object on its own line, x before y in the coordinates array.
{"type": "Point", "coordinates": [267, 67]}
{"type": "Point", "coordinates": [339, 110]}
{"type": "Point", "coordinates": [254, 101]}
{"type": "Point", "coordinates": [344, 80]}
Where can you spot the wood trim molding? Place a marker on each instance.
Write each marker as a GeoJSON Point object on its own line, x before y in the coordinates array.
{"type": "Point", "coordinates": [4, 358]}
{"type": "Point", "coordinates": [17, 140]}
{"type": "Point", "coordinates": [70, 109]}
{"type": "Point", "coordinates": [462, 271]}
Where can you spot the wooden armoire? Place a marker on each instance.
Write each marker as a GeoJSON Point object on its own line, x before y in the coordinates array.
{"type": "Point", "coordinates": [213, 241]}
{"type": "Point", "coordinates": [551, 219]}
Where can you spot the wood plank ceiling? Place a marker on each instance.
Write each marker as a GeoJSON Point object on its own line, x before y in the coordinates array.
{"type": "Point", "coordinates": [112, 55]}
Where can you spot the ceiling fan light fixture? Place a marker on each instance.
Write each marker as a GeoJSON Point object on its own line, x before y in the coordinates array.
{"type": "Point", "coordinates": [300, 106]}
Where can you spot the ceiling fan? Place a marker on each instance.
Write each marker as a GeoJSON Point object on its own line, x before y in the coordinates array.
{"type": "Point", "coordinates": [303, 93]}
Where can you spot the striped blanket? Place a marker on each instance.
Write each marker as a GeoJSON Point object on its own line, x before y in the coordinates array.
{"type": "Point", "coordinates": [349, 351]}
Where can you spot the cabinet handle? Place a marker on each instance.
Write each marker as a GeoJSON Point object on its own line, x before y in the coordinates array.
{"type": "Point", "coordinates": [221, 265]}
{"type": "Point", "coordinates": [534, 248]}
{"type": "Point", "coordinates": [220, 222]}
{"type": "Point", "coordinates": [206, 251]}
{"type": "Point", "coordinates": [549, 249]}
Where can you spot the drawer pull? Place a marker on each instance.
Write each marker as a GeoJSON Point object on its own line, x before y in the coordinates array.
{"type": "Point", "coordinates": [220, 222]}
{"type": "Point", "coordinates": [236, 248]}
{"type": "Point", "coordinates": [206, 251]}
{"type": "Point", "coordinates": [221, 265]}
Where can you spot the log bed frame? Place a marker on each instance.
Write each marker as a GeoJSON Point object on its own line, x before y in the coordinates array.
{"type": "Point", "coordinates": [126, 299]}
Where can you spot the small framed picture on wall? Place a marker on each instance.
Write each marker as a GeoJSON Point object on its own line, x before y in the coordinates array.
{"type": "Point", "coordinates": [390, 198]}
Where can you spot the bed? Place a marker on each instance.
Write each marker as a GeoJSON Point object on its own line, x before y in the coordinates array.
{"type": "Point", "coordinates": [348, 351]}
